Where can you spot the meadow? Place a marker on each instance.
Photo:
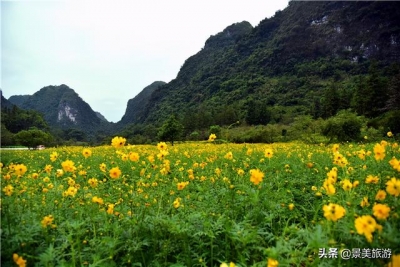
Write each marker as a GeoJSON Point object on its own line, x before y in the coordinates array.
{"type": "Point", "coordinates": [202, 204]}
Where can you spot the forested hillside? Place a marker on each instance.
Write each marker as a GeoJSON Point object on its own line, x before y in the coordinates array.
{"type": "Point", "coordinates": [313, 58]}
{"type": "Point", "coordinates": [307, 67]}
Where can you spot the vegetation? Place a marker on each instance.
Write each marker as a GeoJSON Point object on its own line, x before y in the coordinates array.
{"type": "Point", "coordinates": [311, 59]}
{"type": "Point", "coordinates": [201, 204]}
{"type": "Point", "coordinates": [32, 138]}
{"type": "Point", "coordinates": [171, 130]}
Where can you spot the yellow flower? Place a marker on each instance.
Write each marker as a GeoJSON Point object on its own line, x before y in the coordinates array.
{"type": "Point", "coordinates": [19, 260]}
{"type": "Point", "coordinates": [48, 168]}
{"type": "Point", "coordinates": [20, 169]}
{"type": "Point", "coordinates": [53, 156]}
{"type": "Point", "coordinates": [389, 134]}
{"type": "Point", "coordinates": [212, 137]}
{"type": "Point", "coordinates": [103, 167]}
{"type": "Point", "coordinates": [8, 190]}
{"type": "Point", "coordinates": [182, 185]}
{"type": "Point", "coordinates": [335, 148]}
{"type": "Point", "coordinates": [86, 152]}
{"type": "Point", "coordinates": [268, 153]}
{"type": "Point", "coordinates": [379, 151]}
{"type": "Point", "coordinates": [97, 200]}
{"type": "Point", "coordinates": [118, 142]}
{"type": "Point", "coordinates": [364, 202]}
{"type": "Point", "coordinates": [177, 202]}
{"type": "Point", "coordinates": [115, 173]}
{"type": "Point", "coordinates": [333, 212]}
{"type": "Point", "coordinates": [339, 159]}
{"type": "Point", "coordinates": [229, 155]}
{"type": "Point", "coordinates": [256, 176]}
{"type": "Point", "coordinates": [162, 154]}
{"type": "Point", "coordinates": [395, 261]}
{"type": "Point", "coordinates": [361, 154]}
{"type": "Point", "coordinates": [240, 172]}
{"type": "Point", "coordinates": [47, 220]}
{"type": "Point", "coordinates": [133, 156]}
{"type": "Point", "coordinates": [347, 185]}
{"type": "Point", "coordinates": [110, 209]}
{"type": "Point", "coordinates": [381, 211]}
{"type": "Point", "coordinates": [395, 163]}
{"type": "Point", "coordinates": [272, 263]}
{"type": "Point", "coordinates": [380, 195]}
{"type": "Point", "coordinates": [329, 187]}
{"type": "Point", "coordinates": [332, 176]}
{"type": "Point", "coordinates": [231, 264]}
{"type": "Point", "coordinates": [291, 206]}
{"type": "Point", "coordinates": [59, 173]}
{"type": "Point", "coordinates": [372, 179]}
{"type": "Point", "coordinates": [162, 146]}
{"type": "Point", "coordinates": [393, 187]}
{"type": "Point", "coordinates": [71, 191]}
{"type": "Point", "coordinates": [68, 166]}
{"type": "Point", "coordinates": [93, 182]}
{"type": "Point", "coordinates": [365, 225]}
{"type": "Point", "coordinates": [124, 157]}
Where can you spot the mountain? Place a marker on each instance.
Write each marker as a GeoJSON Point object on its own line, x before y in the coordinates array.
{"type": "Point", "coordinates": [283, 67]}
{"type": "Point", "coordinates": [134, 109]}
{"type": "Point", "coordinates": [19, 100]}
{"type": "Point", "coordinates": [62, 108]}
{"type": "Point", "coordinates": [4, 102]}
{"type": "Point", "coordinates": [100, 116]}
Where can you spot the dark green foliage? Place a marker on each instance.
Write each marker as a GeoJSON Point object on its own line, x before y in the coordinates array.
{"type": "Point", "coordinates": [378, 87]}
{"type": "Point", "coordinates": [257, 113]}
{"type": "Point", "coordinates": [136, 105]}
{"type": "Point", "coordinates": [171, 130]}
{"type": "Point", "coordinates": [257, 134]}
{"type": "Point", "coordinates": [304, 60]}
{"type": "Point", "coordinates": [331, 101]}
{"type": "Point", "coordinates": [306, 129]}
{"type": "Point", "coordinates": [74, 135]}
{"type": "Point", "coordinates": [62, 108]}
{"type": "Point", "coordinates": [32, 138]}
{"type": "Point", "coordinates": [7, 138]}
{"type": "Point", "coordinates": [393, 102]}
{"type": "Point", "coordinates": [16, 119]}
{"type": "Point", "coordinates": [215, 129]}
{"type": "Point", "coordinates": [389, 121]}
{"type": "Point", "coordinates": [362, 97]}
{"type": "Point", "coordinates": [313, 58]}
{"type": "Point", "coordinates": [345, 126]}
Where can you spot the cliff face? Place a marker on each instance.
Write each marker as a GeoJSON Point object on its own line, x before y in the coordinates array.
{"type": "Point", "coordinates": [61, 107]}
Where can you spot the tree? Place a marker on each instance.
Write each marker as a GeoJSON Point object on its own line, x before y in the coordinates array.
{"type": "Point", "coordinates": [331, 101]}
{"type": "Point", "coordinates": [377, 86]}
{"type": "Point", "coordinates": [171, 130]}
{"type": "Point", "coordinates": [345, 126]}
{"type": "Point", "coordinates": [6, 136]}
{"type": "Point", "coordinates": [257, 113]}
{"type": "Point", "coordinates": [32, 137]}
{"type": "Point", "coordinates": [393, 103]}
{"type": "Point", "coordinates": [370, 94]}
{"type": "Point", "coordinates": [362, 97]}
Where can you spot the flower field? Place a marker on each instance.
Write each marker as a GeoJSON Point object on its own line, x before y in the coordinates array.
{"type": "Point", "coordinates": [202, 204]}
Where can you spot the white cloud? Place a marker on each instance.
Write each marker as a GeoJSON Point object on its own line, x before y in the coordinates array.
{"type": "Point", "coordinates": [110, 50]}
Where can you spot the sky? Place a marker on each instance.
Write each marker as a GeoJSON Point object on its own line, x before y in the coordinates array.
{"type": "Point", "coordinates": [108, 51]}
